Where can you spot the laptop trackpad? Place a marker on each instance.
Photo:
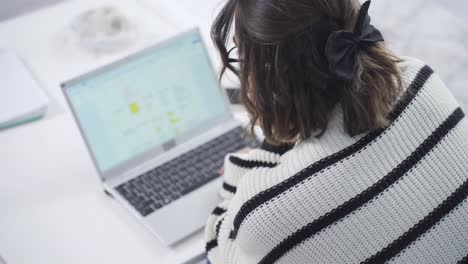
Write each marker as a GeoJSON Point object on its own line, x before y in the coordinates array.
{"type": "Point", "coordinates": [186, 215]}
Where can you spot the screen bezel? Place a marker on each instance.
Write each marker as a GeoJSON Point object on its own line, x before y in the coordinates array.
{"type": "Point", "coordinates": [161, 149]}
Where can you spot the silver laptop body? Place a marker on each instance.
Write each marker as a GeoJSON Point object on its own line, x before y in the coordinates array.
{"type": "Point", "coordinates": [149, 109]}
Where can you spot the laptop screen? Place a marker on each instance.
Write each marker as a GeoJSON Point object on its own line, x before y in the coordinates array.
{"type": "Point", "coordinates": [147, 101]}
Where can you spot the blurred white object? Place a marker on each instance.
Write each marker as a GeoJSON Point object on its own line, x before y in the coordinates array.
{"type": "Point", "coordinates": [21, 98]}
{"type": "Point", "coordinates": [104, 29]}
{"type": "Point", "coordinates": [12, 9]}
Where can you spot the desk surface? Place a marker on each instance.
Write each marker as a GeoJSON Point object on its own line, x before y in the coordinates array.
{"type": "Point", "coordinates": [53, 209]}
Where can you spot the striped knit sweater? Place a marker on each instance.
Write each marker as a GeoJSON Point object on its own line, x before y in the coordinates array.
{"type": "Point", "coordinates": [396, 195]}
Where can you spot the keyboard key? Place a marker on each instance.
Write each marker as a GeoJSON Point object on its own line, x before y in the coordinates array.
{"type": "Point", "coordinates": [168, 182]}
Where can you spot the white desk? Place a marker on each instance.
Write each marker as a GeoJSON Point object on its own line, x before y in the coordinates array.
{"type": "Point", "coordinates": [52, 208]}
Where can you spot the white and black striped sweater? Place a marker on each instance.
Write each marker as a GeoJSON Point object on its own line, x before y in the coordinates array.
{"type": "Point", "coordinates": [393, 195]}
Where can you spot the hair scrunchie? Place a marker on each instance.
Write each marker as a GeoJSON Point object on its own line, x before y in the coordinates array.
{"type": "Point", "coordinates": [342, 46]}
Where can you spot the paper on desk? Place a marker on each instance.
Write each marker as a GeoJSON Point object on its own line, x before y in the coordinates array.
{"type": "Point", "coordinates": [21, 98]}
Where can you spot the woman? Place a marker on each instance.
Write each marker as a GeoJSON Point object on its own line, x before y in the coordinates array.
{"type": "Point", "coordinates": [365, 157]}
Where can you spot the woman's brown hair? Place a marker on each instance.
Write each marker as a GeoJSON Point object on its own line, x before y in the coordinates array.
{"type": "Point", "coordinates": [286, 84]}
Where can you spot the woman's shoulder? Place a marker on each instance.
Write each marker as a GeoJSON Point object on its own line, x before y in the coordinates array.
{"type": "Point", "coordinates": [424, 96]}
{"type": "Point", "coordinates": [410, 68]}
{"type": "Point", "coordinates": [408, 61]}
{"type": "Point", "coordinates": [420, 77]}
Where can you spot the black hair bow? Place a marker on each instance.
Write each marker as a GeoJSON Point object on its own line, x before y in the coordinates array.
{"type": "Point", "coordinates": [342, 46]}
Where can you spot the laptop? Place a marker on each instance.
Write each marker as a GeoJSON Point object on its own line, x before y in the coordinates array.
{"type": "Point", "coordinates": [158, 127]}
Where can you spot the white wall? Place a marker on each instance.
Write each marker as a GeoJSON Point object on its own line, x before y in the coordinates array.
{"type": "Point", "coordinates": [435, 31]}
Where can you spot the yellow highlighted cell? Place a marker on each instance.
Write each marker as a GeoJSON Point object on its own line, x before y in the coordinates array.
{"type": "Point", "coordinates": [134, 108]}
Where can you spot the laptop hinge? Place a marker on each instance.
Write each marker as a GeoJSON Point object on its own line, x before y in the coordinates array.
{"type": "Point", "coordinates": [171, 154]}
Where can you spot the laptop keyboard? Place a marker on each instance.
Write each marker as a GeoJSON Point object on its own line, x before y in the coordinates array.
{"type": "Point", "coordinates": [170, 181]}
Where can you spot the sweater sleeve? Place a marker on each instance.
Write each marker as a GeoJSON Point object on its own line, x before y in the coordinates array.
{"type": "Point", "coordinates": [235, 166]}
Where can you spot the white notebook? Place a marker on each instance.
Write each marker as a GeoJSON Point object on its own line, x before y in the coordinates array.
{"type": "Point", "coordinates": [21, 98]}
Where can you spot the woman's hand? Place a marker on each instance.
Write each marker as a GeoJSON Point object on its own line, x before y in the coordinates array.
{"type": "Point", "coordinates": [242, 151]}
